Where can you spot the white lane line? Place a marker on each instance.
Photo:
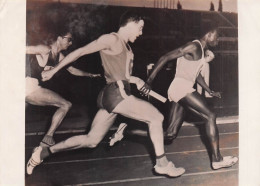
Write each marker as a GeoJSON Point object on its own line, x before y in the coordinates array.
{"type": "Point", "coordinates": [132, 156]}
{"type": "Point", "coordinates": [57, 132]}
{"type": "Point", "coordinates": [157, 177]}
{"type": "Point", "coordinates": [204, 150]}
{"type": "Point", "coordinates": [221, 134]}
{"type": "Point", "coordinates": [192, 136]}
{"type": "Point", "coordinates": [219, 121]}
{"type": "Point", "coordinates": [222, 120]}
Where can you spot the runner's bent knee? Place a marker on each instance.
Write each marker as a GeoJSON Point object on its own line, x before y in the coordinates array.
{"type": "Point", "coordinates": [156, 118]}
{"type": "Point", "coordinates": [88, 141]}
{"type": "Point", "coordinates": [153, 115]}
{"type": "Point", "coordinates": [92, 145]}
{"type": "Point", "coordinates": [159, 118]}
{"type": "Point", "coordinates": [66, 105]}
{"type": "Point", "coordinates": [211, 116]}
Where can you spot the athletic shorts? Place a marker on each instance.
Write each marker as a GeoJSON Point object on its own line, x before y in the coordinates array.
{"type": "Point", "coordinates": [31, 85]}
{"type": "Point", "coordinates": [179, 88]}
{"type": "Point", "coordinates": [112, 94]}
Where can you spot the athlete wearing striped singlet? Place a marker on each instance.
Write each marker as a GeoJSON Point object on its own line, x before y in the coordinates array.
{"type": "Point", "coordinates": [182, 95]}
{"type": "Point", "coordinates": [115, 98]}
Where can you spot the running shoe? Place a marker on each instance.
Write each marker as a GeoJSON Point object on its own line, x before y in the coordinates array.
{"type": "Point", "coordinates": [34, 160]}
{"type": "Point", "coordinates": [47, 141]}
{"type": "Point", "coordinates": [118, 135]}
{"type": "Point", "coordinates": [227, 161]}
{"type": "Point", "coordinates": [169, 170]}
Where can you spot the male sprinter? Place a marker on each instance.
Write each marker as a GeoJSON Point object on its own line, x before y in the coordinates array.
{"type": "Point", "coordinates": [191, 58]}
{"type": "Point", "coordinates": [115, 98]}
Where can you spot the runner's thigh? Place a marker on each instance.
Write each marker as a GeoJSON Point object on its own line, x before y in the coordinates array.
{"type": "Point", "coordinates": [138, 109]}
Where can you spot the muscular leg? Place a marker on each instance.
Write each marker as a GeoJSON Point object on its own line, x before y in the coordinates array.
{"type": "Point", "coordinates": [141, 110]}
{"type": "Point", "coordinates": [195, 102]}
{"type": "Point", "coordinates": [45, 97]}
{"type": "Point", "coordinates": [130, 107]}
{"type": "Point", "coordinates": [175, 120]}
{"type": "Point", "coordinates": [100, 125]}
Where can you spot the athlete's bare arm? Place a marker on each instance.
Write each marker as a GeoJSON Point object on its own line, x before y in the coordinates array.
{"type": "Point", "coordinates": [38, 50]}
{"type": "Point", "coordinates": [41, 52]}
{"type": "Point", "coordinates": [189, 48]}
{"type": "Point", "coordinates": [200, 80]}
{"type": "Point", "coordinates": [77, 72]}
{"type": "Point", "coordinates": [103, 43]}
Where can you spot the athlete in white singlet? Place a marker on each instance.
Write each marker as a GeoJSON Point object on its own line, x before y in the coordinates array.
{"type": "Point", "coordinates": [181, 93]}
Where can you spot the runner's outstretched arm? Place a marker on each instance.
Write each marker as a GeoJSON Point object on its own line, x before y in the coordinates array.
{"type": "Point", "coordinates": [200, 80]}
{"type": "Point", "coordinates": [104, 42]}
{"type": "Point", "coordinates": [189, 47]}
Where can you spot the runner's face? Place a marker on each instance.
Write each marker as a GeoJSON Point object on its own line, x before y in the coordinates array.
{"type": "Point", "coordinates": [66, 41]}
{"type": "Point", "coordinates": [213, 38]}
{"type": "Point", "coordinates": [136, 29]}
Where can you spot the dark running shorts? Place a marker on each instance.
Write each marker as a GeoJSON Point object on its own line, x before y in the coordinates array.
{"type": "Point", "coordinates": [112, 94]}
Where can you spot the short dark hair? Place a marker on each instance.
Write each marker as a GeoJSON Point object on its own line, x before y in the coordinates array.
{"type": "Point", "coordinates": [208, 27]}
{"type": "Point", "coordinates": [56, 29]}
{"type": "Point", "coordinates": [130, 16]}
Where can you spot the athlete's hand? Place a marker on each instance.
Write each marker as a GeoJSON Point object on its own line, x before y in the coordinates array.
{"type": "Point", "coordinates": [141, 85]}
{"type": "Point", "coordinates": [145, 89]}
{"type": "Point", "coordinates": [48, 67]}
{"type": "Point", "coordinates": [47, 75]}
{"type": "Point", "coordinates": [215, 94]}
{"type": "Point", "coordinates": [209, 55]}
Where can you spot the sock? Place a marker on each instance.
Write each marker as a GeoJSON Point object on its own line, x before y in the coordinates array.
{"type": "Point", "coordinates": [161, 160]}
{"type": "Point", "coordinates": [45, 152]}
{"type": "Point", "coordinates": [159, 157]}
{"type": "Point", "coordinates": [48, 140]}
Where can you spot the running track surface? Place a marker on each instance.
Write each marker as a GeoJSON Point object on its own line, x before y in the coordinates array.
{"type": "Point", "coordinates": [130, 161]}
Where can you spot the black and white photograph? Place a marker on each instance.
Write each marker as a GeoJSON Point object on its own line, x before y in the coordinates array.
{"type": "Point", "coordinates": [132, 92]}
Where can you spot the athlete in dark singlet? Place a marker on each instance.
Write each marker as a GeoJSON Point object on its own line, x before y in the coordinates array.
{"type": "Point", "coordinates": [115, 98]}
{"type": "Point", "coordinates": [182, 95]}
{"type": "Point", "coordinates": [46, 57]}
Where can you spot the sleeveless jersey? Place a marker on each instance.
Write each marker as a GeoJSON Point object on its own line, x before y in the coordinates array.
{"type": "Point", "coordinates": [119, 66]}
{"type": "Point", "coordinates": [185, 76]}
{"type": "Point", "coordinates": [188, 69]}
{"type": "Point", "coordinates": [34, 70]}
